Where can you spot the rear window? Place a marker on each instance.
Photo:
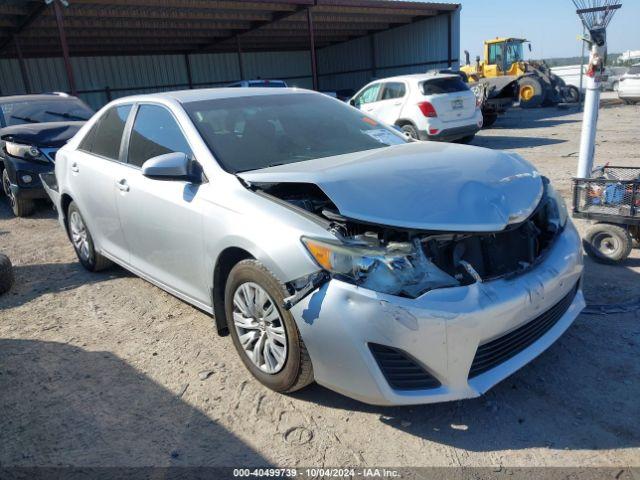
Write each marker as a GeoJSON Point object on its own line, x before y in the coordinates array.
{"type": "Point", "coordinates": [438, 86]}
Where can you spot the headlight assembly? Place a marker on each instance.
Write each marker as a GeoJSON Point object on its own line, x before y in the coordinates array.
{"type": "Point", "coordinates": [398, 268]}
{"type": "Point", "coordinates": [556, 207]}
{"type": "Point", "coordinates": [25, 152]}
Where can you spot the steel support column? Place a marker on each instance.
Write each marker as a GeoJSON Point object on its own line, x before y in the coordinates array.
{"type": "Point", "coordinates": [312, 48]}
{"type": "Point", "coordinates": [65, 47]}
{"type": "Point", "coordinates": [187, 65]}
{"type": "Point", "coordinates": [239, 51]}
{"type": "Point", "coordinates": [23, 66]}
{"type": "Point", "coordinates": [372, 47]}
{"type": "Point", "coordinates": [449, 40]}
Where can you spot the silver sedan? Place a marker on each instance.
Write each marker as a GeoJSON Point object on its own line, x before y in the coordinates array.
{"type": "Point", "coordinates": [328, 245]}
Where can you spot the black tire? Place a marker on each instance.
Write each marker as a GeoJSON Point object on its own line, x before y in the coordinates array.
{"type": "Point", "coordinates": [489, 119]}
{"type": "Point", "coordinates": [411, 130]}
{"type": "Point", "coordinates": [6, 274]}
{"type": "Point", "coordinates": [467, 139]}
{"type": "Point", "coordinates": [297, 371]}
{"type": "Point", "coordinates": [608, 243]}
{"type": "Point", "coordinates": [91, 260]}
{"type": "Point", "coordinates": [19, 206]}
{"type": "Point", "coordinates": [538, 92]}
{"type": "Point", "coordinates": [573, 94]}
{"type": "Point", "coordinates": [630, 102]}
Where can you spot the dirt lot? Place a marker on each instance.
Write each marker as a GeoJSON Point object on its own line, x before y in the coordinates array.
{"type": "Point", "coordinates": [107, 370]}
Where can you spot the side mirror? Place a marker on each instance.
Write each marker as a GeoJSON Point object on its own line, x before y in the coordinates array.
{"type": "Point", "coordinates": [352, 102]}
{"type": "Point", "coordinates": [172, 166]}
{"type": "Point", "coordinates": [529, 47]}
{"type": "Point", "coordinates": [466, 57]}
{"type": "Point", "coordinates": [478, 59]}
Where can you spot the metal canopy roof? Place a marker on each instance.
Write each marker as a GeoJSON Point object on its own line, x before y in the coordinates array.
{"type": "Point", "coordinates": [131, 27]}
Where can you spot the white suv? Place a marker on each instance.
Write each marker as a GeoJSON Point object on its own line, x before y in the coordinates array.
{"type": "Point", "coordinates": [427, 106]}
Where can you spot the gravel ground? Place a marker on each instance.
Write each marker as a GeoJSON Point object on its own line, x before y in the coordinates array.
{"type": "Point", "coordinates": [107, 370]}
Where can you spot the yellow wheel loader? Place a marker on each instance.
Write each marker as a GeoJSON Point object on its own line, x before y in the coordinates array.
{"type": "Point", "coordinates": [504, 67]}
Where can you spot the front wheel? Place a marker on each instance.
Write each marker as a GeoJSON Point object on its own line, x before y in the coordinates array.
{"type": "Point", "coordinates": [264, 334]}
{"type": "Point", "coordinates": [608, 243]}
{"type": "Point", "coordinates": [531, 92]}
{"type": "Point", "coordinates": [20, 207]}
{"type": "Point", "coordinates": [83, 241]}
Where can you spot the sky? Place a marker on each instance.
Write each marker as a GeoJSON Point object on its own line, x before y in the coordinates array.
{"type": "Point", "coordinates": [551, 25]}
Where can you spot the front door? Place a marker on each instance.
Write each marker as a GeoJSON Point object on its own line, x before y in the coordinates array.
{"type": "Point", "coordinates": [161, 219]}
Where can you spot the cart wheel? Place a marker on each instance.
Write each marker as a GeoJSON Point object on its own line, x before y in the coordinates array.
{"type": "Point", "coordinates": [608, 243]}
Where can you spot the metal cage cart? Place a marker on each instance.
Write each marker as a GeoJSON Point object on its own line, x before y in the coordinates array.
{"type": "Point", "coordinates": [612, 200]}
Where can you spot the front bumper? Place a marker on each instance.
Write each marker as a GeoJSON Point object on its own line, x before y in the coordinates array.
{"type": "Point", "coordinates": [441, 330]}
{"type": "Point", "coordinates": [17, 168]}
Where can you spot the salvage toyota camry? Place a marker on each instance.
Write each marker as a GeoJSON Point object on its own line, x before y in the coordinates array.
{"type": "Point", "coordinates": [329, 246]}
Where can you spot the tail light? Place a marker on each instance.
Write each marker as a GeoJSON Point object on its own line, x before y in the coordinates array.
{"type": "Point", "coordinates": [427, 109]}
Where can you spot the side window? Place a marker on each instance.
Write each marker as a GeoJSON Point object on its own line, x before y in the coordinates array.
{"type": "Point", "coordinates": [368, 95]}
{"type": "Point", "coordinates": [393, 90]}
{"type": "Point", "coordinates": [105, 137]}
{"type": "Point", "coordinates": [495, 54]}
{"type": "Point", "coordinates": [155, 132]}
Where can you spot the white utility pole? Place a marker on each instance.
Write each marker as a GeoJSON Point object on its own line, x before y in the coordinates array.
{"type": "Point", "coordinates": [595, 16]}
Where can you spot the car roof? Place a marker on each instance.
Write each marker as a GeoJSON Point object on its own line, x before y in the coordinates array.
{"type": "Point", "coordinates": [36, 97]}
{"type": "Point", "coordinates": [418, 77]}
{"type": "Point", "coordinates": [187, 96]}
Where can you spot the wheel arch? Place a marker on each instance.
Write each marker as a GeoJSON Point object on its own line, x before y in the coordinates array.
{"type": "Point", "coordinates": [225, 262]}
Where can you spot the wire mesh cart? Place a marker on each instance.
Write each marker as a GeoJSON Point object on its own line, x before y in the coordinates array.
{"type": "Point", "coordinates": [611, 199]}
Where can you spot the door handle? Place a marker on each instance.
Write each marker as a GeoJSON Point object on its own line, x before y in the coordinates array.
{"type": "Point", "coordinates": [74, 168]}
{"type": "Point", "coordinates": [123, 186]}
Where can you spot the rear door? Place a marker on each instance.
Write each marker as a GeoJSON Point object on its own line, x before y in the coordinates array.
{"type": "Point", "coordinates": [451, 98]}
{"type": "Point", "coordinates": [94, 169]}
{"type": "Point", "coordinates": [392, 98]}
{"type": "Point", "coordinates": [161, 219]}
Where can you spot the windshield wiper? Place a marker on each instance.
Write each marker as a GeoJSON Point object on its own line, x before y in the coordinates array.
{"type": "Point", "coordinates": [66, 115]}
{"type": "Point", "coordinates": [25, 119]}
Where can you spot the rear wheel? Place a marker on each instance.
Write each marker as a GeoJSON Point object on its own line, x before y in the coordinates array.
{"type": "Point", "coordinates": [21, 207]}
{"type": "Point", "coordinates": [573, 94]}
{"type": "Point", "coordinates": [411, 131]}
{"type": "Point", "coordinates": [264, 334]}
{"type": "Point", "coordinates": [531, 92]}
{"type": "Point", "coordinates": [467, 139]}
{"type": "Point", "coordinates": [608, 243]}
{"type": "Point", "coordinates": [83, 242]}
{"type": "Point", "coordinates": [489, 119]}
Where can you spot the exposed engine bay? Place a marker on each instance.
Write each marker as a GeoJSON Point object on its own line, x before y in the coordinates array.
{"type": "Point", "coordinates": [417, 261]}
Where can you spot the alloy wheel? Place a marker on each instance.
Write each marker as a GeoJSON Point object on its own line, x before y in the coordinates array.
{"type": "Point", "coordinates": [259, 327]}
{"type": "Point", "coordinates": [80, 236]}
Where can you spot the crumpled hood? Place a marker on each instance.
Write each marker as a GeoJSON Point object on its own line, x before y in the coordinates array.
{"type": "Point", "coordinates": [421, 185]}
{"type": "Point", "coordinates": [49, 134]}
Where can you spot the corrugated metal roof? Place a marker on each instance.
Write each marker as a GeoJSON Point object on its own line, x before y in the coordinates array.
{"type": "Point", "coordinates": [121, 27]}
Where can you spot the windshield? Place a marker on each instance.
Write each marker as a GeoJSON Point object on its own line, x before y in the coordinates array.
{"type": "Point", "coordinates": [253, 132]}
{"type": "Point", "coordinates": [514, 54]}
{"type": "Point", "coordinates": [42, 111]}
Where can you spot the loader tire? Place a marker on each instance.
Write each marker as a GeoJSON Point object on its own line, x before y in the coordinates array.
{"type": "Point", "coordinates": [531, 92]}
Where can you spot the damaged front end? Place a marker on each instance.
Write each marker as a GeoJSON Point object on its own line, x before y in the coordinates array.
{"type": "Point", "coordinates": [408, 262]}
